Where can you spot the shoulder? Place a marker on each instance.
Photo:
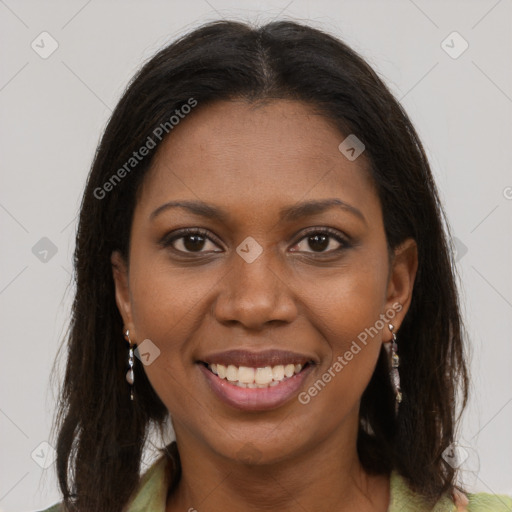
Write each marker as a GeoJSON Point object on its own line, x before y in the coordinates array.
{"type": "Point", "coordinates": [403, 498]}
{"type": "Point", "coordinates": [485, 502]}
{"type": "Point", "coordinates": [481, 502]}
{"type": "Point", "coordinates": [54, 508]}
{"type": "Point", "coordinates": [151, 492]}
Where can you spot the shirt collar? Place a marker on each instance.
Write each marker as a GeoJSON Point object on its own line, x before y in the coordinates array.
{"type": "Point", "coordinates": [151, 493]}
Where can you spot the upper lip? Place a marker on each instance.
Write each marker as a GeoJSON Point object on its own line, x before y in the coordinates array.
{"type": "Point", "coordinates": [256, 359]}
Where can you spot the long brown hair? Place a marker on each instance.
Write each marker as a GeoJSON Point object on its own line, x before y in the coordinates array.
{"type": "Point", "coordinates": [101, 433]}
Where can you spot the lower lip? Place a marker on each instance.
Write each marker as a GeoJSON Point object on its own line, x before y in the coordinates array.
{"type": "Point", "coordinates": [255, 399]}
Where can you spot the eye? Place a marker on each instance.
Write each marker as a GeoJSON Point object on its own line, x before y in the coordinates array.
{"type": "Point", "coordinates": [320, 239]}
{"type": "Point", "coordinates": [195, 240]}
{"type": "Point", "coordinates": [190, 240]}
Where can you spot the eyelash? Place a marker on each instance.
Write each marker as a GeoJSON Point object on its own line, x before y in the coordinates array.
{"type": "Point", "coordinates": [168, 240]}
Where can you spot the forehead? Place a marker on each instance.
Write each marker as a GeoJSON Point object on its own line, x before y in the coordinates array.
{"type": "Point", "coordinates": [245, 155]}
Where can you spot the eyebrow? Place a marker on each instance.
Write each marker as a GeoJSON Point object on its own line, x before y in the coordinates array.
{"type": "Point", "coordinates": [289, 213]}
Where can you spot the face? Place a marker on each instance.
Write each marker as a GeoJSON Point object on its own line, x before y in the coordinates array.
{"type": "Point", "coordinates": [266, 277]}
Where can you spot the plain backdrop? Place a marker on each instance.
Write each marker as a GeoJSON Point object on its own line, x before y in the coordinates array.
{"type": "Point", "coordinates": [54, 109]}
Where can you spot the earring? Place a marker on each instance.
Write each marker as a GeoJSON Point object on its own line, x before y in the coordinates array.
{"type": "Point", "coordinates": [130, 376]}
{"type": "Point", "coordinates": [395, 362]}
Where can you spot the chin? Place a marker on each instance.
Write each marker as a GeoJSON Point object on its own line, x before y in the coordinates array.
{"type": "Point", "coordinates": [254, 452]}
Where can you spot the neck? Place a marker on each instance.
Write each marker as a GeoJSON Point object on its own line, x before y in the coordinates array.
{"type": "Point", "coordinates": [323, 476]}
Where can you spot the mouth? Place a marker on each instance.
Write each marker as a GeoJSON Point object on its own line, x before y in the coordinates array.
{"type": "Point", "coordinates": [256, 381]}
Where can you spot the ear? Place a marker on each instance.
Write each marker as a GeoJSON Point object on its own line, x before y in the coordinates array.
{"type": "Point", "coordinates": [122, 289]}
{"type": "Point", "coordinates": [404, 266]}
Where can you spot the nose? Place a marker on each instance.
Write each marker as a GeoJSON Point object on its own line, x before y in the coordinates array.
{"type": "Point", "coordinates": [255, 294]}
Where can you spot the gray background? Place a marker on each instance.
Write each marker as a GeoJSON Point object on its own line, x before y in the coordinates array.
{"type": "Point", "coordinates": [53, 111]}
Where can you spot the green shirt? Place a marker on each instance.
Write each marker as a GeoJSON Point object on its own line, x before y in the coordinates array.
{"type": "Point", "coordinates": [151, 496]}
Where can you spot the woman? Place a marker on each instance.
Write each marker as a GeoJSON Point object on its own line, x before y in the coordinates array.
{"type": "Point", "coordinates": [261, 257]}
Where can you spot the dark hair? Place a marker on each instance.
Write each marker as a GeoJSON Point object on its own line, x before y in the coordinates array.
{"type": "Point", "coordinates": [101, 432]}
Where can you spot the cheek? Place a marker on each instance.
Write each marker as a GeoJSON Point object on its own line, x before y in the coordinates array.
{"type": "Point", "coordinates": [165, 308]}
{"type": "Point", "coordinates": [346, 309]}
{"type": "Point", "coordinates": [347, 302]}
{"type": "Point", "coordinates": [166, 298]}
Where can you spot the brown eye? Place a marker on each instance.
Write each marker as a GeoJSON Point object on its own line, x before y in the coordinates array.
{"type": "Point", "coordinates": [321, 240]}
{"type": "Point", "coordinates": [190, 241]}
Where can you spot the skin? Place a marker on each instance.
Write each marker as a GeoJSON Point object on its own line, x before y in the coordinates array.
{"type": "Point", "coordinates": [251, 160]}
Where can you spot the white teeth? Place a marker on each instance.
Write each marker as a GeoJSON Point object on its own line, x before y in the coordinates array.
{"type": "Point", "coordinates": [289, 370]}
{"type": "Point", "coordinates": [278, 372]}
{"type": "Point", "coordinates": [247, 377]}
{"type": "Point", "coordinates": [263, 375]}
{"type": "Point", "coordinates": [221, 370]}
{"type": "Point", "coordinates": [232, 373]}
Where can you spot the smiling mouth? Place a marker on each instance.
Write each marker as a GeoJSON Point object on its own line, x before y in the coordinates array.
{"type": "Point", "coordinates": [248, 377]}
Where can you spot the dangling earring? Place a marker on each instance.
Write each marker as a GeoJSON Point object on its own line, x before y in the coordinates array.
{"type": "Point", "coordinates": [130, 376]}
{"type": "Point", "coordinates": [395, 376]}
